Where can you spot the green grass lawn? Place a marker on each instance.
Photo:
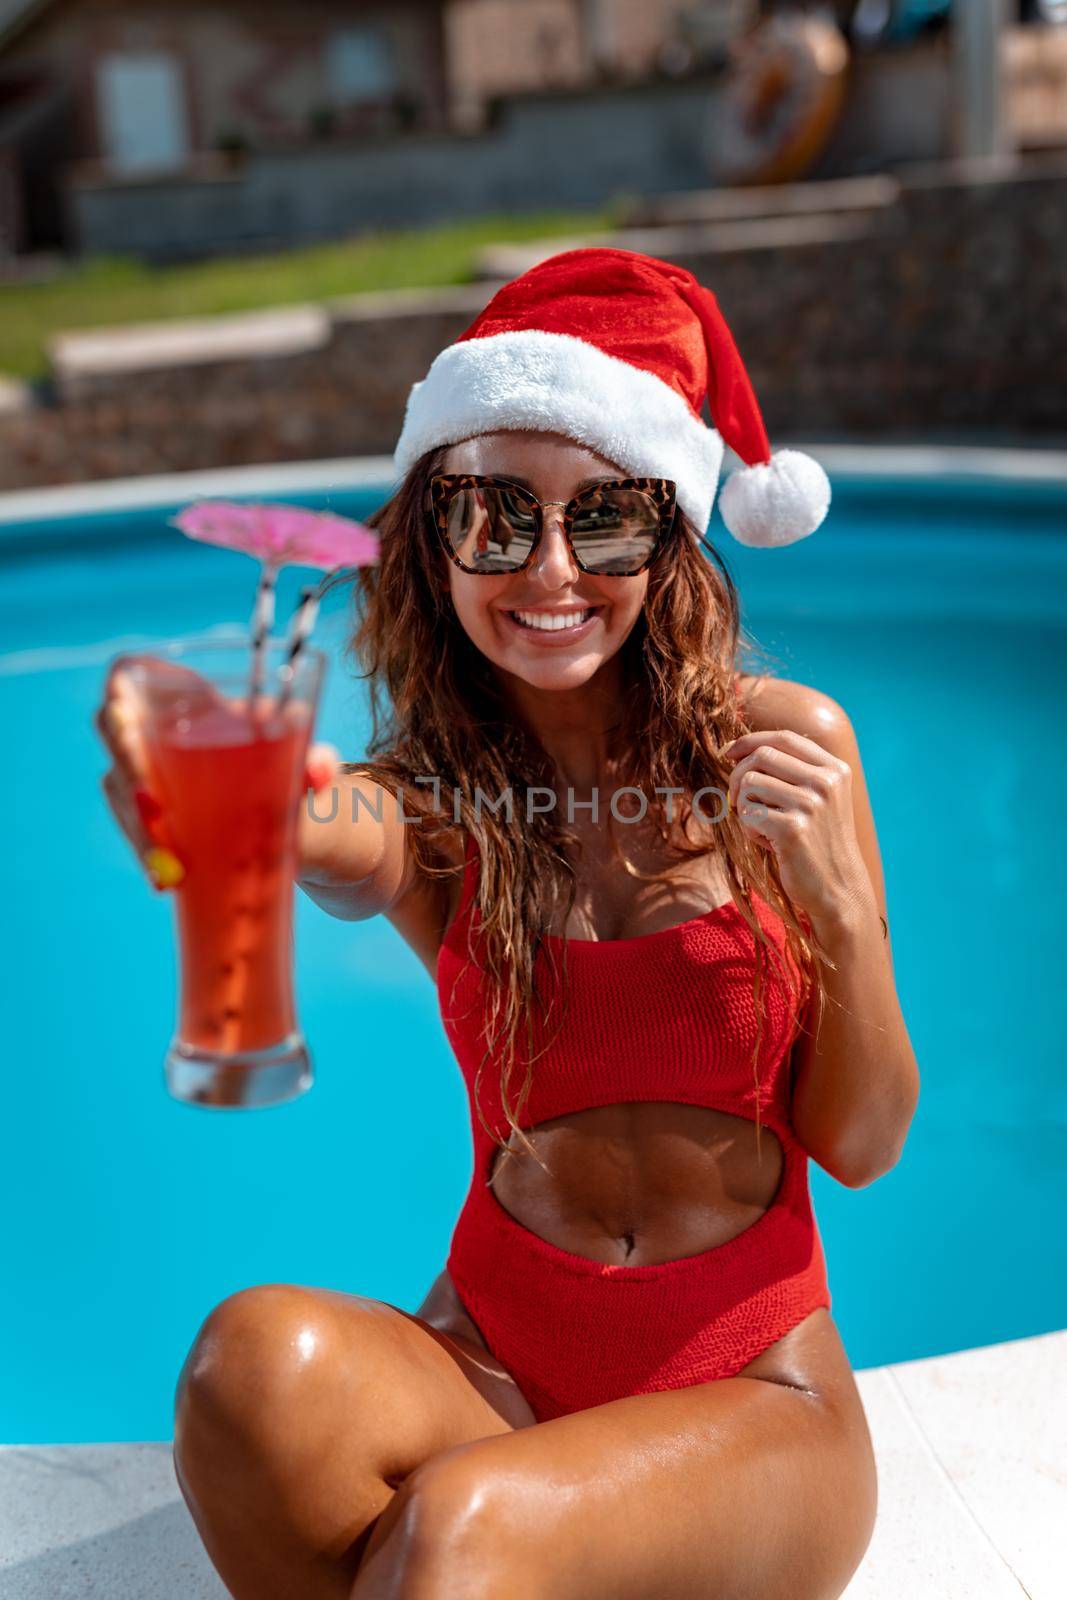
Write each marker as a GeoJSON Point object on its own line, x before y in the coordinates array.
{"type": "Point", "coordinates": [113, 290]}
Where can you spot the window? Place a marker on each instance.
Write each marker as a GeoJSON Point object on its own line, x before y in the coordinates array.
{"type": "Point", "coordinates": [359, 66]}
{"type": "Point", "coordinates": [142, 112]}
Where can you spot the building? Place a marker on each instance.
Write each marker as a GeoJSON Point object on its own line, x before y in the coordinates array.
{"type": "Point", "coordinates": [116, 91]}
{"type": "Point", "coordinates": [169, 132]}
{"type": "Point", "coordinates": [122, 90]}
{"type": "Point", "coordinates": [498, 47]}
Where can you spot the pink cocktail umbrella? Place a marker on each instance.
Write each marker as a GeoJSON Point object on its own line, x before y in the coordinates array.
{"type": "Point", "coordinates": [280, 536]}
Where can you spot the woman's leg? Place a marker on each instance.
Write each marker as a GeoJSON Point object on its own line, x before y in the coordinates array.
{"type": "Point", "coordinates": [748, 1488]}
{"type": "Point", "coordinates": [298, 1414]}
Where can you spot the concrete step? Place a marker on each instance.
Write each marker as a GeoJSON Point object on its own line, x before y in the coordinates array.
{"type": "Point", "coordinates": [972, 1469]}
{"type": "Point", "coordinates": [834, 197]}
{"type": "Point", "coordinates": [683, 241]}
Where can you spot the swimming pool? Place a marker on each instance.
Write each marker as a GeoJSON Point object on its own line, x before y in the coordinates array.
{"type": "Point", "coordinates": [933, 608]}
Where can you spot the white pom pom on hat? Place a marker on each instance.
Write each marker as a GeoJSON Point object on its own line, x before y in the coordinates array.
{"type": "Point", "coordinates": [618, 351]}
{"type": "Point", "coordinates": [776, 503]}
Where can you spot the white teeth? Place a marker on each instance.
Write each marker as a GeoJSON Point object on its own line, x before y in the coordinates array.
{"type": "Point", "coordinates": [552, 622]}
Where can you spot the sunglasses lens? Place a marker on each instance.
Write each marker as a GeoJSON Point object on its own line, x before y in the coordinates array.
{"type": "Point", "coordinates": [491, 529]}
{"type": "Point", "coordinates": [615, 530]}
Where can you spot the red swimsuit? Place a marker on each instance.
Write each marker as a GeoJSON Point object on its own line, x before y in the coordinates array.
{"type": "Point", "coordinates": [666, 1016]}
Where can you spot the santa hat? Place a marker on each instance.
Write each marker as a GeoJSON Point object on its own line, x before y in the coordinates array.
{"type": "Point", "coordinates": [617, 351]}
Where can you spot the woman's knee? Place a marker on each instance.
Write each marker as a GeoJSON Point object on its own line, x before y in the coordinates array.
{"type": "Point", "coordinates": [451, 1531]}
{"type": "Point", "coordinates": [266, 1354]}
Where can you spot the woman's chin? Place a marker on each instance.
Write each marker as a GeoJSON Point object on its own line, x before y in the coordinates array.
{"type": "Point", "coordinates": [549, 671]}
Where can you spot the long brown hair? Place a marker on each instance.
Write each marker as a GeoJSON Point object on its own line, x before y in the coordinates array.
{"type": "Point", "coordinates": [437, 713]}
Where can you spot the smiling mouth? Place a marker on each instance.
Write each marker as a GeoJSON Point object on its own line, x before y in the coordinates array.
{"type": "Point", "coordinates": [561, 621]}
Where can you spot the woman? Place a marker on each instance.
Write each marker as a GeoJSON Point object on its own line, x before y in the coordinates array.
{"type": "Point", "coordinates": [666, 974]}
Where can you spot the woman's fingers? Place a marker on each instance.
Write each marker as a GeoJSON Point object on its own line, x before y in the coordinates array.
{"type": "Point", "coordinates": [323, 761]}
{"type": "Point", "coordinates": [131, 807]}
{"type": "Point", "coordinates": [784, 739]}
{"type": "Point", "coordinates": [136, 810]}
{"type": "Point", "coordinates": [118, 723]}
{"type": "Point", "coordinates": [124, 809]}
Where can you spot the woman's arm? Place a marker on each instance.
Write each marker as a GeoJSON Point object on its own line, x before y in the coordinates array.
{"type": "Point", "coordinates": [354, 856]}
{"type": "Point", "coordinates": [856, 1079]}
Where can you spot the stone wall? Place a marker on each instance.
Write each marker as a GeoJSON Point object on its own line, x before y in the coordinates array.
{"type": "Point", "coordinates": [940, 314]}
{"type": "Point", "coordinates": [950, 314]}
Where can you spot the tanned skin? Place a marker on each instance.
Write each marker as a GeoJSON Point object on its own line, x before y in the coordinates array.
{"type": "Point", "coordinates": [334, 1447]}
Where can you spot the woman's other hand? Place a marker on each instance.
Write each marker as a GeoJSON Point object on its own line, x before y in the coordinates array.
{"type": "Point", "coordinates": [795, 797]}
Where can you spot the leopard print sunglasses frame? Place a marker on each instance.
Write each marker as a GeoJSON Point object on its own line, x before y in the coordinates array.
{"type": "Point", "coordinates": [444, 486]}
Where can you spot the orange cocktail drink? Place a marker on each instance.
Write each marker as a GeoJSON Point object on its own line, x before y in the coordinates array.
{"type": "Point", "coordinates": [227, 769]}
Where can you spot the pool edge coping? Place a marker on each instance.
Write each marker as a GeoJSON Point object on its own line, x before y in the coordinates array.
{"type": "Point", "coordinates": [861, 461]}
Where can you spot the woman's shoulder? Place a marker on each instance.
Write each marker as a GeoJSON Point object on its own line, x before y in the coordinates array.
{"type": "Point", "coordinates": [781, 703]}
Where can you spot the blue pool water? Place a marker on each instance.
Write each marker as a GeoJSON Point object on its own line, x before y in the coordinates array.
{"type": "Point", "coordinates": [937, 615]}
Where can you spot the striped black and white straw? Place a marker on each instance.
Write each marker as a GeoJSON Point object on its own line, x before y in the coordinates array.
{"type": "Point", "coordinates": [304, 618]}
{"type": "Point", "coordinates": [262, 623]}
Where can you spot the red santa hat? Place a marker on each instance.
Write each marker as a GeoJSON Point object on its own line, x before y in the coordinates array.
{"type": "Point", "coordinates": [617, 351]}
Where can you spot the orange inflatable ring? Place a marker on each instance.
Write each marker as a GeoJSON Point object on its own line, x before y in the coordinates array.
{"type": "Point", "coordinates": [781, 100]}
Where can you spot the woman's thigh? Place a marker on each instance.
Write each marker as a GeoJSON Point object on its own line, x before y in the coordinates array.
{"type": "Point", "coordinates": [745, 1488]}
{"type": "Point", "coordinates": [300, 1412]}
{"type": "Point", "coordinates": [443, 1312]}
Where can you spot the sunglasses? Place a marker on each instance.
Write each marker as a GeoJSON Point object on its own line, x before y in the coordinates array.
{"type": "Point", "coordinates": [490, 525]}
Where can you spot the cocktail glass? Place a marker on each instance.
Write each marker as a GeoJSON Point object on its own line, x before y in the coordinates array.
{"type": "Point", "coordinates": [228, 771]}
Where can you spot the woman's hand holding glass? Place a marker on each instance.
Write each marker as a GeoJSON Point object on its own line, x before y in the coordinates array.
{"type": "Point", "coordinates": [119, 721]}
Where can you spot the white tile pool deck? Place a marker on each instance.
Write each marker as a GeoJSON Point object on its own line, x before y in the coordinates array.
{"type": "Point", "coordinates": [972, 1466]}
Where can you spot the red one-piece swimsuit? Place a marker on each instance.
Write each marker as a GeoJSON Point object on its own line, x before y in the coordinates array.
{"type": "Point", "coordinates": [666, 1016]}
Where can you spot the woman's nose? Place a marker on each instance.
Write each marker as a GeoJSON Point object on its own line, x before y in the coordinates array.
{"type": "Point", "coordinates": [554, 562]}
